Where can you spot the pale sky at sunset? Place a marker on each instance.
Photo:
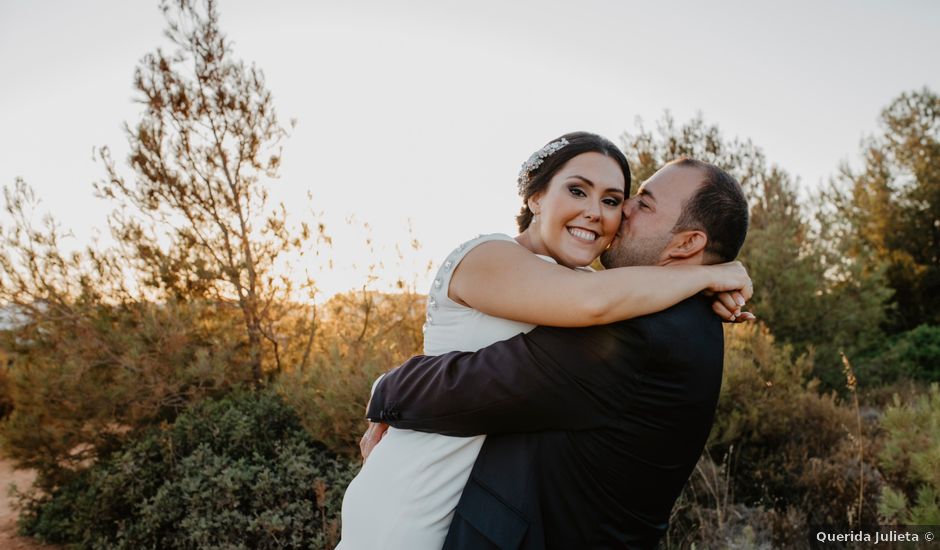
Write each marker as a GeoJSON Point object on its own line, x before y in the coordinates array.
{"type": "Point", "coordinates": [420, 112]}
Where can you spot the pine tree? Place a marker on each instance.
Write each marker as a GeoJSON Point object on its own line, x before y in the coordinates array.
{"type": "Point", "coordinates": [891, 205]}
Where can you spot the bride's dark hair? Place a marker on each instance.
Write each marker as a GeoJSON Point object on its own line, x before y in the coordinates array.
{"type": "Point", "coordinates": [578, 142]}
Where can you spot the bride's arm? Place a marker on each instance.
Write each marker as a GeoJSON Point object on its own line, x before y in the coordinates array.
{"type": "Point", "coordinates": [505, 280]}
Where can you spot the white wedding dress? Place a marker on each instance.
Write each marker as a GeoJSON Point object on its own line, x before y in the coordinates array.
{"type": "Point", "coordinates": [404, 496]}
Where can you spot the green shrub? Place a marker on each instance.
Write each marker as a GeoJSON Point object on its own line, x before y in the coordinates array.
{"type": "Point", "coordinates": [914, 354]}
{"type": "Point", "coordinates": [774, 420]}
{"type": "Point", "coordinates": [239, 472]}
{"type": "Point", "coordinates": [790, 455]}
{"type": "Point", "coordinates": [81, 385]}
{"type": "Point", "coordinates": [910, 459]}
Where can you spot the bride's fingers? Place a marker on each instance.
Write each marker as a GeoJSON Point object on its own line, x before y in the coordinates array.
{"type": "Point", "coordinates": [747, 291]}
{"type": "Point", "coordinates": [745, 316]}
{"type": "Point", "coordinates": [723, 312]}
{"type": "Point", "coordinates": [728, 300]}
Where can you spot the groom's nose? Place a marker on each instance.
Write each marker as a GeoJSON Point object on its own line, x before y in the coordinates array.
{"type": "Point", "coordinates": [628, 207]}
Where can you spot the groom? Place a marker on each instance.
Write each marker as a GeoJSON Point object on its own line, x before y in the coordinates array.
{"type": "Point", "coordinates": [593, 431]}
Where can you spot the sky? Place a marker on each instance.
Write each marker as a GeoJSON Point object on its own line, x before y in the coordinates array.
{"type": "Point", "coordinates": [414, 116]}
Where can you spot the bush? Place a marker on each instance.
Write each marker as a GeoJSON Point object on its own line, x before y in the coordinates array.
{"type": "Point", "coordinates": [911, 460]}
{"type": "Point", "coordinates": [790, 455]}
{"type": "Point", "coordinates": [361, 335]}
{"type": "Point", "coordinates": [913, 355]}
{"type": "Point", "coordinates": [82, 385]}
{"type": "Point", "coordinates": [775, 422]}
{"type": "Point", "coordinates": [239, 472]}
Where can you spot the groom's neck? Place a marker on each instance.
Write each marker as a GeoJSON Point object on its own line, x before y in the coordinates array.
{"type": "Point", "coordinates": [693, 260]}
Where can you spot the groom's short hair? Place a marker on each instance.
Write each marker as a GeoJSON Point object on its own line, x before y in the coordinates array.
{"type": "Point", "coordinates": [718, 208]}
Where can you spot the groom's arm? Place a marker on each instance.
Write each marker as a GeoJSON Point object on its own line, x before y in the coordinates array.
{"type": "Point", "coordinates": [549, 379]}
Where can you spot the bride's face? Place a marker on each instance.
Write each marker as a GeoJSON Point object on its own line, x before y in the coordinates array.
{"type": "Point", "coordinates": [580, 211]}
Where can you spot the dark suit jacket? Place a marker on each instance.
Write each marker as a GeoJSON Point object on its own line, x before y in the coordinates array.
{"type": "Point", "coordinates": [593, 431]}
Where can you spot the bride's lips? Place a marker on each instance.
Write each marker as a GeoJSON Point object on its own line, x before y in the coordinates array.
{"type": "Point", "coordinates": [583, 235]}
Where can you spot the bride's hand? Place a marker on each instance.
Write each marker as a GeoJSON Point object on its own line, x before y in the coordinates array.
{"type": "Point", "coordinates": [727, 306]}
{"type": "Point", "coordinates": [371, 438]}
{"type": "Point", "coordinates": [732, 287]}
{"type": "Point", "coordinates": [730, 277]}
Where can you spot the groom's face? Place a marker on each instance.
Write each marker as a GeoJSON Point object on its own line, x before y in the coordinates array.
{"type": "Point", "coordinates": [649, 216]}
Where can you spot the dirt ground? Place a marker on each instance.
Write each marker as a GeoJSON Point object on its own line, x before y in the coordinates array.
{"type": "Point", "coordinates": [8, 538]}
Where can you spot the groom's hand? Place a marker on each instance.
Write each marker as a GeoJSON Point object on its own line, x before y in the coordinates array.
{"type": "Point", "coordinates": [371, 438]}
{"type": "Point", "coordinates": [374, 432]}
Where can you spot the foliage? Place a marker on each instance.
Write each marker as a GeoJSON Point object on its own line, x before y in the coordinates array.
{"type": "Point", "coordinates": [800, 293]}
{"type": "Point", "coordinates": [788, 439]}
{"type": "Point", "coordinates": [911, 460]}
{"type": "Point", "coordinates": [238, 472]}
{"type": "Point", "coordinates": [790, 456]}
{"type": "Point", "coordinates": [359, 336]}
{"type": "Point", "coordinates": [913, 355]}
{"type": "Point", "coordinates": [80, 384]}
{"type": "Point", "coordinates": [891, 206]}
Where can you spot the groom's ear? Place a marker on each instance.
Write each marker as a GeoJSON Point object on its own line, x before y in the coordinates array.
{"type": "Point", "coordinates": [686, 244]}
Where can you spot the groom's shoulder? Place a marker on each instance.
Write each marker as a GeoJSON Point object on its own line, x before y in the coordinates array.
{"type": "Point", "coordinates": [660, 328]}
{"type": "Point", "coordinates": [693, 315]}
{"type": "Point", "coordinates": [696, 309]}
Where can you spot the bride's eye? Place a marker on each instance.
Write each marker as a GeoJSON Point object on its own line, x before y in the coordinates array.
{"type": "Point", "coordinates": [612, 201]}
{"type": "Point", "coordinates": [577, 191]}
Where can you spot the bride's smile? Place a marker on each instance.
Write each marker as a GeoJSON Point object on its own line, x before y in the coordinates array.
{"type": "Point", "coordinates": [583, 234]}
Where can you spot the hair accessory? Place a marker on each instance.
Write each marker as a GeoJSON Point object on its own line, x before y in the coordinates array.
{"type": "Point", "coordinates": [536, 160]}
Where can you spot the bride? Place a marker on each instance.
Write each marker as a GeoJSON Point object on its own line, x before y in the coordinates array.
{"type": "Point", "coordinates": [496, 286]}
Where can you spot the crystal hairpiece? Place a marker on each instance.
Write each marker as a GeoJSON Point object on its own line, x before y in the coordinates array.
{"type": "Point", "coordinates": [536, 160]}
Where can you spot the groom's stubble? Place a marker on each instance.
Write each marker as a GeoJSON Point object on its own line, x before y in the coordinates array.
{"type": "Point", "coordinates": [636, 251]}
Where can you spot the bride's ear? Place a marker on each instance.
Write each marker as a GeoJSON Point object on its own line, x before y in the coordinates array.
{"type": "Point", "coordinates": [535, 203]}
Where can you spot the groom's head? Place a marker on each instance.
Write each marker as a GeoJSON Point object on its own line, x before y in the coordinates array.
{"type": "Point", "coordinates": [688, 212]}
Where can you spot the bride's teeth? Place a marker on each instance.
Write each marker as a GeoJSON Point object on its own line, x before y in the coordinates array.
{"type": "Point", "coordinates": [582, 234]}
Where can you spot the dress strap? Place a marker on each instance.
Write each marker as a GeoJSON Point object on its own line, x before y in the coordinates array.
{"type": "Point", "coordinates": [438, 293]}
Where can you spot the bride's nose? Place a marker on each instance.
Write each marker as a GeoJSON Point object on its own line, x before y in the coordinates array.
{"type": "Point", "coordinates": [593, 211]}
